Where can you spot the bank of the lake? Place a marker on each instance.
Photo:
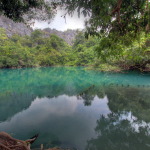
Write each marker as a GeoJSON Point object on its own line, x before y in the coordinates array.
{"type": "Point", "coordinates": [101, 67]}
{"type": "Point", "coordinates": [117, 68]}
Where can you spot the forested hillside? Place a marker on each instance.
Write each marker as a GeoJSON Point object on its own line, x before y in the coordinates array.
{"type": "Point", "coordinates": [40, 50]}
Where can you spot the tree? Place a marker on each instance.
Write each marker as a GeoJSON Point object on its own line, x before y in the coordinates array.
{"type": "Point", "coordinates": [112, 16]}
{"type": "Point", "coordinates": [120, 24]}
{"type": "Point", "coordinates": [26, 10]}
{"type": "Point", "coordinates": [31, 51]}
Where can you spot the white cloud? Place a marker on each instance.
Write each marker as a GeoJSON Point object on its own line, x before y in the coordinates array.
{"type": "Point", "coordinates": [62, 24]}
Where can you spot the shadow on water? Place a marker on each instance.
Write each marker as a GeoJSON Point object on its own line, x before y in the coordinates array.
{"type": "Point", "coordinates": [66, 104]}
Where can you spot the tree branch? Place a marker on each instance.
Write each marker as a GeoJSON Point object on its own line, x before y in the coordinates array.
{"type": "Point", "coordinates": [117, 10]}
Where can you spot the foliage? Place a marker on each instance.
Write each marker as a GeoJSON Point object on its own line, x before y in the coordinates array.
{"type": "Point", "coordinates": [26, 10]}
{"type": "Point", "coordinates": [35, 50]}
{"type": "Point", "coordinates": [130, 56]}
{"type": "Point", "coordinates": [118, 23]}
{"type": "Point", "coordinates": [39, 49]}
{"type": "Point", "coordinates": [82, 50]}
{"type": "Point", "coordinates": [122, 27]}
{"type": "Point", "coordinates": [112, 16]}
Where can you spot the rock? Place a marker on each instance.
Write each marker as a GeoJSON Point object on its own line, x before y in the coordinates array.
{"type": "Point", "coordinates": [68, 35]}
{"type": "Point", "coordinates": [12, 27]}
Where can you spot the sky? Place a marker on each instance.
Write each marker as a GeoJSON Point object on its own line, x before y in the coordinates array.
{"type": "Point", "coordinates": [60, 24]}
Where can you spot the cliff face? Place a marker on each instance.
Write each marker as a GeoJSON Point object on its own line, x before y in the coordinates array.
{"type": "Point", "coordinates": [14, 28]}
{"type": "Point", "coordinates": [19, 28]}
{"type": "Point", "coordinates": [68, 35]}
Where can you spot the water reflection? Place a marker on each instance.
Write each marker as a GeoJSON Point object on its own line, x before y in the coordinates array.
{"type": "Point", "coordinates": [136, 100]}
{"type": "Point", "coordinates": [121, 131]}
{"type": "Point", "coordinates": [72, 107]}
{"type": "Point", "coordinates": [63, 119]}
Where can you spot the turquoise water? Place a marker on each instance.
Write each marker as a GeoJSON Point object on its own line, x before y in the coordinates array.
{"type": "Point", "coordinates": [71, 107]}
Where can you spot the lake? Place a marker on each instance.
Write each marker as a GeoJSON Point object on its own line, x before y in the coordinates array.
{"type": "Point", "coordinates": [72, 107]}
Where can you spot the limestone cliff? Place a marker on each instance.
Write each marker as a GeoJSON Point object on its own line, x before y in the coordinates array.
{"type": "Point", "coordinates": [14, 28]}
{"type": "Point", "coordinates": [19, 28]}
{"type": "Point", "coordinates": [68, 35]}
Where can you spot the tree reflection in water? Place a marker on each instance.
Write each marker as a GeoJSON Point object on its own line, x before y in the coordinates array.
{"type": "Point", "coordinates": [120, 131]}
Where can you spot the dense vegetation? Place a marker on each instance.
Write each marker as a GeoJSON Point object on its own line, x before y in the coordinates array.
{"type": "Point", "coordinates": [42, 50]}
{"type": "Point", "coordinates": [121, 28]}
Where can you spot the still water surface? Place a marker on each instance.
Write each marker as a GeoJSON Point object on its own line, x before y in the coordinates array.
{"type": "Point", "coordinates": [76, 108]}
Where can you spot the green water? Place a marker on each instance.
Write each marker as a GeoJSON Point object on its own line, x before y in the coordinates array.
{"type": "Point", "coordinates": [76, 108]}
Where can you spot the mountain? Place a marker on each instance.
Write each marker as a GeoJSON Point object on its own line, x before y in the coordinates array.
{"type": "Point", "coordinates": [68, 35]}
{"type": "Point", "coordinates": [12, 27]}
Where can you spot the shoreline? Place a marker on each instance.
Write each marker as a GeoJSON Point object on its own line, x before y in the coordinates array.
{"type": "Point", "coordinates": [102, 68]}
